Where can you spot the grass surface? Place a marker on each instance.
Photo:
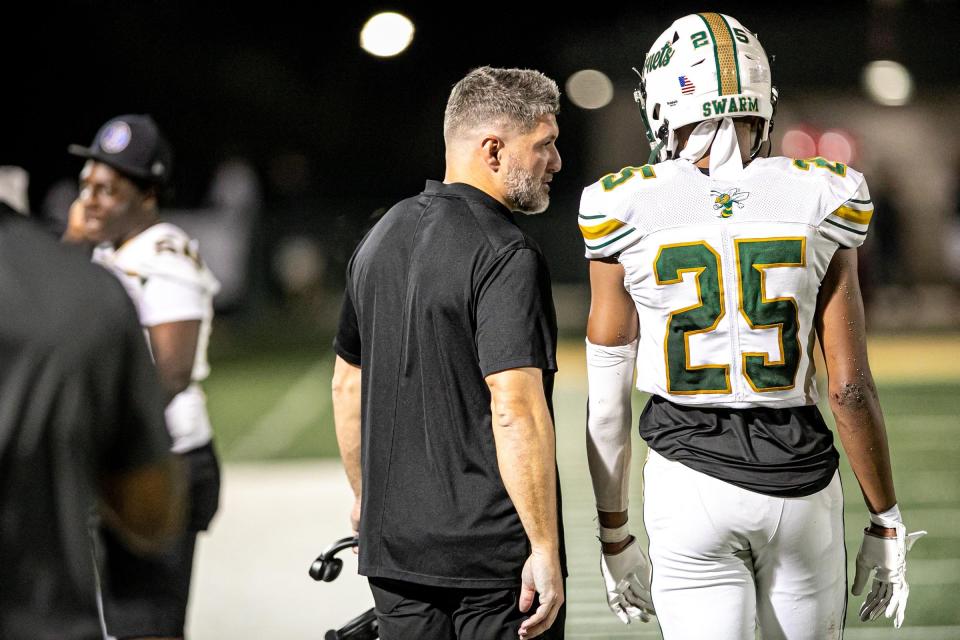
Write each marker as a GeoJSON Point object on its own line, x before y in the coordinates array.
{"type": "Point", "coordinates": [276, 405]}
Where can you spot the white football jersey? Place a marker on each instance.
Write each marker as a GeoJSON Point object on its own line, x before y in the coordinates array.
{"type": "Point", "coordinates": [725, 275]}
{"type": "Point", "coordinates": [162, 271]}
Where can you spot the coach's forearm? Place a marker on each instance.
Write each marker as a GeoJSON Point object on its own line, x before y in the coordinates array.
{"type": "Point", "coordinates": [346, 419]}
{"type": "Point", "coordinates": [526, 452]}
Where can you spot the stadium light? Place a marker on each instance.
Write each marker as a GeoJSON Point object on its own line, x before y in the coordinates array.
{"type": "Point", "coordinates": [589, 89]}
{"type": "Point", "coordinates": [888, 83]}
{"type": "Point", "coordinates": [386, 34]}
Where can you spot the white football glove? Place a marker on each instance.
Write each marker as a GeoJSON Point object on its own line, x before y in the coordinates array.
{"type": "Point", "coordinates": [888, 556]}
{"type": "Point", "coordinates": [626, 577]}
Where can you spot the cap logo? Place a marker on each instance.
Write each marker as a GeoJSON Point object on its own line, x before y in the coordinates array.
{"type": "Point", "coordinates": [115, 137]}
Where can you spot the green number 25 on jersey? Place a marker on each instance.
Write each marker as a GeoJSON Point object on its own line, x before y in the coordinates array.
{"type": "Point", "coordinates": [753, 258]}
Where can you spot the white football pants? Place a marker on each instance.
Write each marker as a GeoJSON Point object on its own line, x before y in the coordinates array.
{"type": "Point", "coordinates": [726, 560]}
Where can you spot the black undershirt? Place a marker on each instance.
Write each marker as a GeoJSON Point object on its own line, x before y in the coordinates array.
{"type": "Point", "coordinates": [778, 452]}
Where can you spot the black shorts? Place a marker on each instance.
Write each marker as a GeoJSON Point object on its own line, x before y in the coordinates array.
{"type": "Point", "coordinates": [407, 610]}
{"type": "Point", "coordinates": [147, 595]}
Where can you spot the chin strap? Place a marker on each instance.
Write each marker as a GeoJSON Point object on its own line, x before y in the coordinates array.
{"type": "Point", "coordinates": [719, 139]}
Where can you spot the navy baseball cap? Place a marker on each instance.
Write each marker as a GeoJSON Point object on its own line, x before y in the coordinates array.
{"type": "Point", "coordinates": [133, 145]}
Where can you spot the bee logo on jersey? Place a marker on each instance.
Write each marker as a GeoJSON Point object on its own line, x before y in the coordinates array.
{"type": "Point", "coordinates": [724, 200]}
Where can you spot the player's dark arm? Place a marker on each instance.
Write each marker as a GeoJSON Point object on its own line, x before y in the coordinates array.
{"type": "Point", "coordinates": [613, 316]}
{"type": "Point", "coordinates": [526, 456]}
{"type": "Point", "coordinates": [174, 347]}
{"type": "Point", "coordinates": [346, 420]}
{"type": "Point", "coordinates": [853, 395]}
{"type": "Point", "coordinates": [612, 322]}
{"type": "Point", "coordinates": [145, 505]}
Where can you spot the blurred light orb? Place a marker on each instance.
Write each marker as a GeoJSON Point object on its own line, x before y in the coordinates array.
{"type": "Point", "coordinates": [298, 263]}
{"type": "Point", "coordinates": [797, 143]}
{"type": "Point", "coordinates": [386, 34]}
{"type": "Point", "coordinates": [836, 145]}
{"type": "Point", "coordinates": [888, 83]}
{"type": "Point", "coordinates": [589, 89]}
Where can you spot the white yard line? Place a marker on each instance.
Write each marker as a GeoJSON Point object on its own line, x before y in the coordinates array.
{"type": "Point", "coordinates": [299, 409]}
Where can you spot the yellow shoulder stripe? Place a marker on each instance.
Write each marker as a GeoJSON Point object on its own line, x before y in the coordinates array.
{"type": "Point", "coordinates": [600, 230]}
{"type": "Point", "coordinates": [854, 215]}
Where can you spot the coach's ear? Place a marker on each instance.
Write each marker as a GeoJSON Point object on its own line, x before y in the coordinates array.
{"type": "Point", "coordinates": [491, 146]}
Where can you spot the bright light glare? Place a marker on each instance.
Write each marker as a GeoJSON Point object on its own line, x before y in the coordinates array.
{"type": "Point", "coordinates": [589, 89]}
{"type": "Point", "coordinates": [797, 143]}
{"type": "Point", "coordinates": [386, 34]}
{"type": "Point", "coordinates": [836, 145]}
{"type": "Point", "coordinates": [888, 83]}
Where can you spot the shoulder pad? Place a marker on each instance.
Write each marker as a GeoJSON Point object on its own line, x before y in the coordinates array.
{"type": "Point", "coordinates": [165, 250]}
{"type": "Point", "coordinates": [605, 210]}
{"type": "Point", "coordinates": [846, 207]}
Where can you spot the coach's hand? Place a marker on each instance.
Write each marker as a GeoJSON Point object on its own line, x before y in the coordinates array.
{"type": "Point", "coordinates": [355, 516]}
{"type": "Point", "coordinates": [888, 556]}
{"type": "Point", "coordinates": [541, 575]}
{"type": "Point", "coordinates": [626, 577]}
{"type": "Point", "coordinates": [355, 521]}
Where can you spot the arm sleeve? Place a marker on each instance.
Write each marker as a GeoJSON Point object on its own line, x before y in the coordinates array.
{"type": "Point", "coordinates": [346, 344]}
{"type": "Point", "coordinates": [515, 320]}
{"type": "Point", "coordinates": [609, 421]}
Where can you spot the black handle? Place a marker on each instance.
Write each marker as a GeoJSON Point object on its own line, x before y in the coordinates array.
{"type": "Point", "coordinates": [326, 567]}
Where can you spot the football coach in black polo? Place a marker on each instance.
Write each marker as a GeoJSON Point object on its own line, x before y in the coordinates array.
{"type": "Point", "coordinates": [446, 352]}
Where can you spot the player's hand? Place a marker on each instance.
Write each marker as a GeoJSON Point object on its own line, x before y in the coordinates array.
{"type": "Point", "coordinates": [888, 557]}
{"type": "Point", "coordinates": [76, 224]}
{"type": "Point", "coordinates": [541, 575]}
{"type": "Point", "coordinates": [626, 577]}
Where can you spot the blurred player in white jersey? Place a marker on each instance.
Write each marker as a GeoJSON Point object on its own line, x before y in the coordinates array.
{"type": "Point", "coordinates": [127, 165]}
{"type": "Point", "coordinates": [713, 270]}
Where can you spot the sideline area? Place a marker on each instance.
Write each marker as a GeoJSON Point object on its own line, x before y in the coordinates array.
{"type": "Point", "coordinates": [251, 577]}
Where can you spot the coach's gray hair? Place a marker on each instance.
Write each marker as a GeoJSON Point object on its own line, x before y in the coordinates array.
{"type": "Point", "coordinates": [506, 97]}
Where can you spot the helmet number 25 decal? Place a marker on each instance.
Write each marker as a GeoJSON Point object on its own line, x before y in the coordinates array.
{"type": "Point", "coordinates": [754, 257]}
{"type": "Point", "coordinates": [700, 39]}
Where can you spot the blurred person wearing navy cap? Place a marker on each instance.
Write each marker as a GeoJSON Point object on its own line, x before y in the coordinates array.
{"type": "Point", "coordinates": [127, 165]}
{"type": "Point", "coordinates": [82, 426]}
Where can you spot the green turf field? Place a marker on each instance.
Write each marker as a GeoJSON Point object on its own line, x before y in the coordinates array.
{"type": "Point", "coordinates": [277, 405]}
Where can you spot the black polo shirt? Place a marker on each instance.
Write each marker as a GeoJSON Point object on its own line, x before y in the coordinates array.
{"type": "Point", "coordinates": [80, 399]}
{"type": "Point", "coordinates": [443, 291]}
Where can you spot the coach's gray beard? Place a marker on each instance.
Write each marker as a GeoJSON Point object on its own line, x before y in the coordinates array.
{"type": "Point", "coordinates": [525, 192]}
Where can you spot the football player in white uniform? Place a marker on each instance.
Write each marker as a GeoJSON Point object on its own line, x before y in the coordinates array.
{"type": "Point", "coordinates": [127, 164]}
{"type": "Point", "coordinates": [713, 271]}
